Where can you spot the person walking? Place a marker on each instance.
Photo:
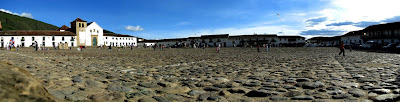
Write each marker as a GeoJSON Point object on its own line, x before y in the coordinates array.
{"type": "Point", "coordinates": [350, 48]}
{"type": "Point", "coordinates": [218, 48]}
{"type": "Point", "coordinates": [36, 46]}
{"type": "Point", "coordinates": [258, 47]}
{"type": "Point", "coordinates": [109, 48]}
{"type": "Point", "coordinates": [131, 47]}
{"type": "Point", "coordinates": [341, 48]}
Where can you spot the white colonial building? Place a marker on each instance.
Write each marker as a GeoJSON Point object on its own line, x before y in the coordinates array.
{"type": "Point", "coordinates": [80, 34]}
{"type": "Point", "coordinates": [353, 37]}
{"type": "Point", "coordinates": [119, 40]}
{"type": "Point", "coordinates": [25, 38]}
{"type": "Point", "coordinates": [230, 41]}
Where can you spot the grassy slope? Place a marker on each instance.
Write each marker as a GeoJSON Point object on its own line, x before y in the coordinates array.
{"type": "Point", "coordinates": [14, 22]}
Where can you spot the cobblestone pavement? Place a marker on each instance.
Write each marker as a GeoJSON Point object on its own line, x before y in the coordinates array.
{"type": "Point", "coordinates": [234, 74]}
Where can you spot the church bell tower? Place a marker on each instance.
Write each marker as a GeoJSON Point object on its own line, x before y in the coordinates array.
{"type": "Point", "coordinates": [78, 27]}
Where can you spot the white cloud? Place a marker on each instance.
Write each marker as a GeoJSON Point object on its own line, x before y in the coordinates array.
{"type": "Point", "coordinates": [184, 23]}
{"type": "Point", "coordinates": [133, 28]}
{"type": "Point", "coordinates": [29, 15]}
{"type": "Point", "coordinates": [8, 11]}
{"type": "Point", "coordinates": [365, 10]}
{"type": "Point", "coordinates": [297, 14]}
{"type": "Point", "coordinates": [350, 15]}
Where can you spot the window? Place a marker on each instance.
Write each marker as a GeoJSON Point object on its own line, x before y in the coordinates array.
{"type": "Point", "coordinates": [62, 38]}
{"type": "Point", "coordinates": [83, 25]}
{"type": "Point", "coordinates": [79, 24]}
{"type": "Point", "coordinates": [97, 31]}
{"type": "Point", "coordinates": [106, 37]}
{"type": "Point", "coordinates": [90, 30]}
{"type": "Point", "coordinates": [53, 38]}
{"type": "Point", "coordinates": [23, 39]}
{"type": "Point", "coordinates": [33, 38]}
{"type": "Point", "coordinates": [43, 39]}
{"type": "Point", "coordinates": [72, 38]}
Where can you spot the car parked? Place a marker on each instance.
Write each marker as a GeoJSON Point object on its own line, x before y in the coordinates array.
{"type": "Point", "coordinates": [398, 48]}
{"type": "Point", "coordinates": [390, 46]}
{"type": "Point", "coordinates": [370, 45]}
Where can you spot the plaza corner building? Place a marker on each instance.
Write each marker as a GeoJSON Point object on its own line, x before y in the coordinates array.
{"type": "Point", "coordinates": [81, 33]}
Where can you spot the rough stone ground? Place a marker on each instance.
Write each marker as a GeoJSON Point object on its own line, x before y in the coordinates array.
{"type": "Point", "coordinates": [234, 75]}
{"type": "Point", "coordinates": [18, 85]}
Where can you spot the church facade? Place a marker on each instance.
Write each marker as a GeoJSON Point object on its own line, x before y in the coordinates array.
{"type": "Point", "coordinates": [81, 33]}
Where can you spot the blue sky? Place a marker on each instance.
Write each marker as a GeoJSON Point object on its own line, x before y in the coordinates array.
{"type": "Point", "coordinates": [158, 19]}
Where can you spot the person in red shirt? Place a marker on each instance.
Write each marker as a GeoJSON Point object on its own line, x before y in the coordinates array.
{"type": "Point", "coordinates": [341, 46]}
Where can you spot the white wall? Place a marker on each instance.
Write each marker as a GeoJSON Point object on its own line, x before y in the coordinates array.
{"type": "Point", "coordinates": [48, 40]}
{"type": "Point", "coordinates": [94, 29]}
{"type": "Point", "coordinates": [120, 41]}
{"type": "Point", "coordinates": [351, 39]}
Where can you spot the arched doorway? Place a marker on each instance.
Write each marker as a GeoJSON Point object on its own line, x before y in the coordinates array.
{"type": "Point", "coordinates": [94, 41]}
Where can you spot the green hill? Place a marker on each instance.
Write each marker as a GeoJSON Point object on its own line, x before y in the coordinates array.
{"type": "Point", "coordinates": [14, 22]}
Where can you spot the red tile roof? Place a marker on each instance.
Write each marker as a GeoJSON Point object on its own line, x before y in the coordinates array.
{"type": "Point", "coordinates": [79, 20]}
{"type": "Point", "coordinates": [64, 27]}
{"type": "Point", "coordinates": [36, 33]}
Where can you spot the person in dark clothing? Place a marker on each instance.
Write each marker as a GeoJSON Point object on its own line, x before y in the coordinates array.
{"type": "Point", "coordinates": [109, 48]}
{"type": "Point", "coordinates": [350, 48]}
{"type": "Point", "coordinates": [36, 46]}
{"type": "Point", "coordinates": [341, 46]}
{"type": "Point", "coordinates": [258, 47]}
{"type": "Point", "coordinates": [131, 47]}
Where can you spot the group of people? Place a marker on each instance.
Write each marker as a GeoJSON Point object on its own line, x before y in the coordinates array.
{"type": "Point", "coordinates": [122, 47]}
{"type": "Point", "coordinates": [267, 47]}
{"type": "Point", "coordinates": [160, 46]}
{"type": "Point", "coordinates": [10, 45]}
